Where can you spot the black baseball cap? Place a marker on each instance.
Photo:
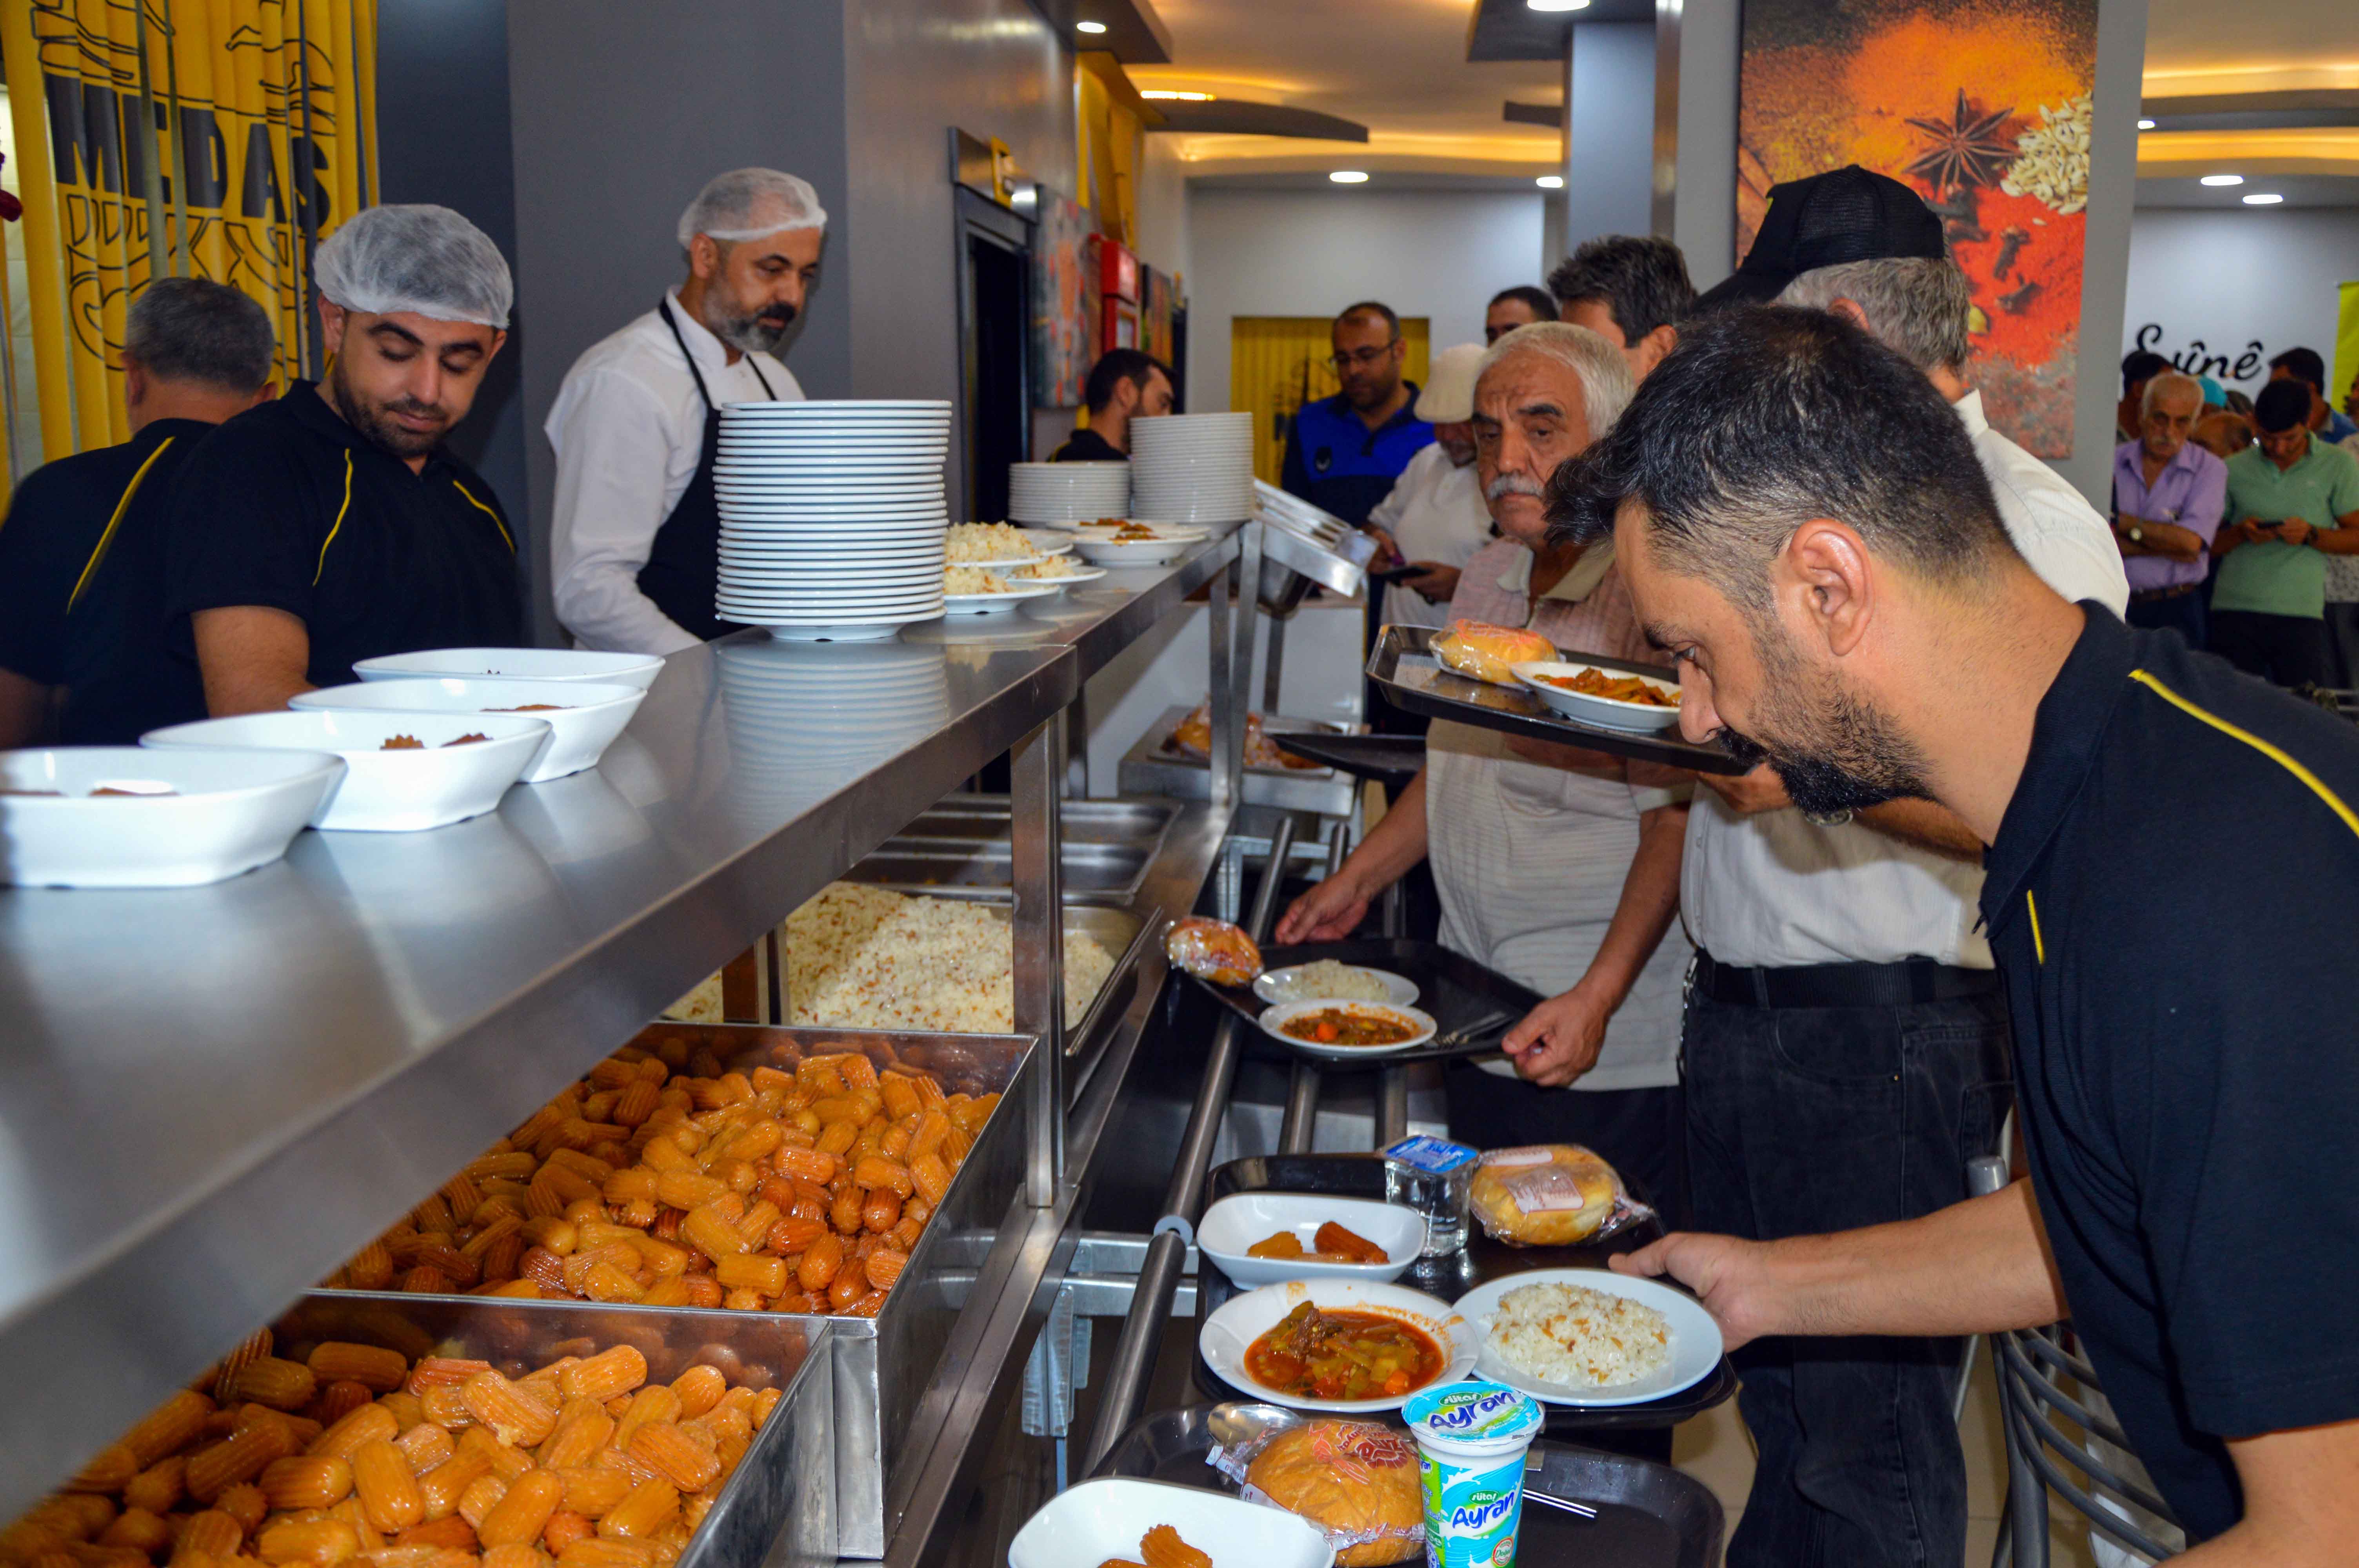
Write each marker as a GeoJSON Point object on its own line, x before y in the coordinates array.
{"type": "Point", "coordinates": [1847, 214]}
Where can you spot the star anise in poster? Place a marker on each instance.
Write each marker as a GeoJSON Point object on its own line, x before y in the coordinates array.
{"type": "Point", "coordinates": [1966, 151]}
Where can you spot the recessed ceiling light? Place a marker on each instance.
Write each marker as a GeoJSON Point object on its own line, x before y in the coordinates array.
{"type": "Point", "coordinates": [1089, 27]}
{"type": "Point", "coordinates": [1350, 177]}
{"type": "Point", "coordinates": [2145, 125]}
{"type": "Point", "coordinates": [1550, 182]}
{"type": "Point", "coordinates": [1174, 95]}
{"type": "Point", "coordinates": [2223, 179]}
{"type": "Point", "coordinates": [2262, 198]}
{"type": "Point", "coordinates": [1557, 5]}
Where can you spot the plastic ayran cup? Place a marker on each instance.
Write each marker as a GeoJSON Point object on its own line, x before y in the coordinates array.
{"type": "Point", "coordinates": [1471, 1440]}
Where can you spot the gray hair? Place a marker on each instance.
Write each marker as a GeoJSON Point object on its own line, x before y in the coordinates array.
{"type": "Point", "coordinates": [2163, 384]}
{"type": "Point", "coordinates": [187, 329]}
{"type": "Point", "coordinates": [419, 259]}
{"type": "Point", "coordinates": [1916, 305]}
{"type": "Point", "coordinates": [1605, 383]}
{"type": "Point", "coordinates": [747, 203]}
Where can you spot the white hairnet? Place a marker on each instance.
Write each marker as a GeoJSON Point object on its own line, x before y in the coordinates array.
{"type": "Point", "coordinates": [421, 258]}
{"type": "Point", "coordinates": [747, 203]}
{"type": "Point", "coordinates": [1447, 396]}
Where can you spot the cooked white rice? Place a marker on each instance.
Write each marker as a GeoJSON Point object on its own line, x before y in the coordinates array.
{"type": "Point", "coordinates": [1580, 1338]}
{"type": "Point", "coordinates": [859, 958]}
{"type": "Point", "coordinates": [1047, 569]}
{"type": "Point", "coordinates": [1328, 980]}
{"type": "Point", "coordinates": [988, 542]}
{"type": "Point", "coordinates": [971, 580]}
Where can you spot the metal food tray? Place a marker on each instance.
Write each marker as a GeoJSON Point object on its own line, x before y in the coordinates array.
{"type": "Point", "coordinates": [1483, 1260]}
{"type": "Point", "coordinates": [1155, 766]}
{"type": "Point", "coordinates": [783, 1492]}
{"type": "Point", "coordinates": [1404, 669]}
{"type": "Point", "coordinates": [1648, 1515]}
{"type": "Point", "coordinates": [1386, 759]}
{"type": "Point", "coordinates": [1472, 1005]}
{"type": "Point", "coordinates": [1107, 847]}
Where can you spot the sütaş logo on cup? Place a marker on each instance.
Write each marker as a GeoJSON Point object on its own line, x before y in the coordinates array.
{"type": "Point", "coordinates": [1483, 1413]}
{"type": "Point", "coordinates": [1484, 1510]}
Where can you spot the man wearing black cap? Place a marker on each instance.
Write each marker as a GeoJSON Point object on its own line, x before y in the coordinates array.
{"type": "Point", "coordinates": [2138, 367]}
{"type": "Point", "coordinates": [2292, 519]}
{"type": "Point", "coordinates": [1846, 1039]}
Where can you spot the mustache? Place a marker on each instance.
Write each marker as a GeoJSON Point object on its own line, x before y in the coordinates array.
{"type": "Point", "coordinates": [779, 316]}
{"type": "Point", "coordinates": [1513, 484]}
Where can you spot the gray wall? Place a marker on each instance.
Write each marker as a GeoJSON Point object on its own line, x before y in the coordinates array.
{"type": "Point", "coordinates": [622, 110]}
{"type": "Point", "coordinates": [2105, 258]}
{"type": "Point", "coordinates": [443, 129]}
{"type": "Point", "coordinates": [913, 69]}
{"type": "Point", "coordinates": [1609, 171]}
{"type": "Point", "coordinates": [1703, 213]}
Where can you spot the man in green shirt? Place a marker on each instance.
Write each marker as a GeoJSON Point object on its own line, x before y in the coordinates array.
{"type": "Point", "coordinates": [2293, 504]}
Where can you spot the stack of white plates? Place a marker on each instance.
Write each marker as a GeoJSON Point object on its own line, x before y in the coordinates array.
{"type": "Point", "coordinates": [1067, 493]}
{"type": "Point", "coordinates": [802, 714]}
{"type": "Point", "coordinates": [831, 516]}
{"type": "Point", "coordinates": [1191, 467]}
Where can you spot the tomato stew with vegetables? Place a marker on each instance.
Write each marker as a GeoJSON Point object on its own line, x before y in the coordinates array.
{"type": "Point", "coordinates": [1343, 1356]}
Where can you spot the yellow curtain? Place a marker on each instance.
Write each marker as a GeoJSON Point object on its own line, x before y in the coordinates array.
{"type": "Point", "coordinates": [210, 138]}
{"type": "Point", "coordinates": [1277, 363]}
{"type": "Point", "coordinates": [2346, 344]}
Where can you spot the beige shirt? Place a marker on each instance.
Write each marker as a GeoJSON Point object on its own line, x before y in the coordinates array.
{"type": "Point", "coordinates": [1530, 859]}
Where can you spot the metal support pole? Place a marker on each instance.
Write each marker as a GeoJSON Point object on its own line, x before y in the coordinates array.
{"type": "Point", "coordinates": [1219, 694]}
{"type": "Point", "coordinates": [1392, 1107]}
{"type": "Point", "coordinates": [1296, 1133]}
{"type": "Point", "coordinates": [1272, 661]}
{"type": "Point", "coordinates": [1247, 623]}
{"type": "Point", "coordinates": [1159, 1276]}
{"type": "Point", "coordinates": [1034, 767]}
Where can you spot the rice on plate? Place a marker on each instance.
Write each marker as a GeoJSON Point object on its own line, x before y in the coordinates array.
{"type": "Point", "coordinates": [988, 542]}
{"type": "Point", "coordinates": [972, 579]}
{"type": "Point", "coordinates": [1580, 1338]}
{"type": "Point", "coordinates": [1327, 979]}
{"type": "Point", "coordinates": [860, 958]}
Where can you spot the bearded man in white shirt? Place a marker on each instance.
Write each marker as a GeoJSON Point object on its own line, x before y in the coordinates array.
{"type": "Point", "coordinates": [635, 549]}
{"type": "Point", "coordinates": [1846, 1040]}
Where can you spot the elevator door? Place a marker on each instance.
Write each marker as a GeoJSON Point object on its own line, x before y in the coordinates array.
{"type": "Point", "coordinates": [995, 339]}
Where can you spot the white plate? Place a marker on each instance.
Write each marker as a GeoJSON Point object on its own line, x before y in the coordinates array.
{"type": "Point", "coordinates": [517, 664]}
{"type": "Point", "coordinates": [583, 723]}
{"type": "Point", "coordinates": [382, 791]}
{"type": "Point", "coordinates": [1001, 564]}
{"type": "Point", "coordinates": [1048, 542]}
{"type": "Point", "coordinates": [821, 605]}
{"type": "Point", "coordinates": [230, 812]}
{"type": "Point", "coordinates": [1074, 578]}
{"type": "Point", "coordinates": [1229, 1332]}
{"type": "Point", "coordinates": [992, 603]}
{"type": "Point", "coordinates": [1272, 1017]}
{"type": "Point", "coordinates": [1695, 1338]}
{"type": "Point", "coordinates": [1244, 1220]}
{"type": "Point", "coordinates": [1165, 534]}
{"type": "Point", "coordinates": [1272, 986]}
{"type": "Point", "coordinates": [827, 615]}
{"type": "Point", "coordinates": [1609, 711]}
{"type": "Point", "coordinates": [1143, 553]}
{"type": "Point", "coordinates": [1101, 1520]}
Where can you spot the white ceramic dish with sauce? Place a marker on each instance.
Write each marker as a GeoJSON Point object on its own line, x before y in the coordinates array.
{"type": "Point", "coordinates": [583, 719]}
{"type": "Point", "coordinates": [1244, 1220]}
{"type": "Point", "coordinates": [185, 817]}
{"type": "Point", "coordinates": [517, 664]}
{"type": "Point", "coordinates": [1231, 1331]}
{"type": "Point", "coordinates": [1609, 711]}
{"type": "Point", "coordinates": [400, 791]}
{"type": "Point", "coordinates": [1101, 1522]}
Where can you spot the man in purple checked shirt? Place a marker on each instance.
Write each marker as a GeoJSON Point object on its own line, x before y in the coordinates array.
{"type": "Point", "coordinates": [2169, 495]}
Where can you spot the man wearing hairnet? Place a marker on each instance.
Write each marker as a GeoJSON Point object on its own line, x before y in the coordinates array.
{"type": "Point", "coordinates": [635, 544]}
{"type": "Point", "coordinates": [331, 525]}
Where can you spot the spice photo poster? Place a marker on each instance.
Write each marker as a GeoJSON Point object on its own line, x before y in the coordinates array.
{"type": "Point", "coordinates": [1982, 109]}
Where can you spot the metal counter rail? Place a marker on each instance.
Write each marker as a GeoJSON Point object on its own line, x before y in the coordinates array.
{"type": "Point", "coordinates": [210, 1096]}
{"type": "Point", "coordinates": [1167, 1253]}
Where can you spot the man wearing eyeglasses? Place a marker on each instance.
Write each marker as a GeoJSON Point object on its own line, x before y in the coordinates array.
{"type": "Point", "coordinates": [1343, 453]}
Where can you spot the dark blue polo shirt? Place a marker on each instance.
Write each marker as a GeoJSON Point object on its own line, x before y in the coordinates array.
{"type": "Point", "coordinates": [1336, 463]}
{"type": "Point", "coordinates": [288, 506]}
{"type": "Point", "coordinates": [82, 587]}
{"type": "Point", "coordinates": [2171, 899]}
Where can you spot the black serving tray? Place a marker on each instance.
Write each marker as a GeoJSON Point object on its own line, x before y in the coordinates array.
{"type": "Point", "coordinates": [1404, 669]}
{"type": "Point", "coordinates": [1648, 1515]}
{"type": "Point", "coordinates": [1386, 759]}
{"type": "Point", "coordinates": [1465, 998]}
{"type": "Point", "coordinates": [1483, 1260]}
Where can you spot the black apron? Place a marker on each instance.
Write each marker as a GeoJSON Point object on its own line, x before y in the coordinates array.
{"type": "Point", "coordinates": [683, 571]}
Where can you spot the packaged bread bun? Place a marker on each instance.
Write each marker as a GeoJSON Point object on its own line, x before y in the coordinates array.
{"type": "Point", "coordinates": [1212, 950]}
{"type": "Point", "coordinates": [1354, 1480]}
{"type": "Point", "coordinates": [1550, 1195]}
{"type": "Point", "coordinates": [1489, 653]}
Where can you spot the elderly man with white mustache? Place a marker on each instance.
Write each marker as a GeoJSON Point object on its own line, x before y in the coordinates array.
{"type": "Point", "coordinates": [1555, 866]}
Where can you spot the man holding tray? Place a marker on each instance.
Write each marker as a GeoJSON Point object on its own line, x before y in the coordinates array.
{"type": "Point", "coordinates": [1804, 526]}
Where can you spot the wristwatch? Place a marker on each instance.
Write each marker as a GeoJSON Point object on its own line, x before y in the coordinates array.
{"type": "Point", "coordinates": [2138, 534]}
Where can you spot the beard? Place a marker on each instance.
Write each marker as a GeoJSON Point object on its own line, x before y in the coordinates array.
{"type": "Point", "coordinates": [375, 423]}
{"type": "Point", "coordinates": [761, 332]}
{"type": "Point", "coordinates": [1834, 752]}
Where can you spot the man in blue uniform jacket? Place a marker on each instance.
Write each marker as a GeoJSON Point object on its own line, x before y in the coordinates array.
{"type": "Point", "coordinates": [1345, 452]}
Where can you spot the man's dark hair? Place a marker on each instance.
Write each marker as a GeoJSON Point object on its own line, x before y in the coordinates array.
{"type": "Point", "coordinates": [1116, 366]}
{"type": "Point", "coordinates": [185, 329]}
{"type": "Point", "coordinates": [2141, 364]}
{"type": "Point", "coordinates": [1767, 416]}
{"type": "Point", "coordinates": [1373, 307]}
{"type": "Point", "coordinates": [1539, 301]}
{"type": "Point", "coordinates": [2281, 405]}
{"type": "Point", "coordinates": [2303, 364]}
{"type": "Point", "coordinates": [1642, 281]}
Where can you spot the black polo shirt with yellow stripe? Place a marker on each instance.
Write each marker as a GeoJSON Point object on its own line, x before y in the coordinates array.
{"type": "Point", "coordinates": [2173, 900]}
{"type": "Point", "coordinates": [82, 587]}
{"type": "Point", "coordinates": [289, 507]}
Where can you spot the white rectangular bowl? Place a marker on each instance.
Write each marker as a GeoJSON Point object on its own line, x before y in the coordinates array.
{"type": "Point", "coordinates": [582, 723]}
{"type": "Point", "coordinates": [1096, 1520]}
{"type": "Point", "coordinates": [517, 664]}
{"type": "Point", "coordinates": [1237, 1222]}
{"type": "Point", "coordinates": [232, 811]}
{"type": "Point", "coordinates": [382, 791]}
